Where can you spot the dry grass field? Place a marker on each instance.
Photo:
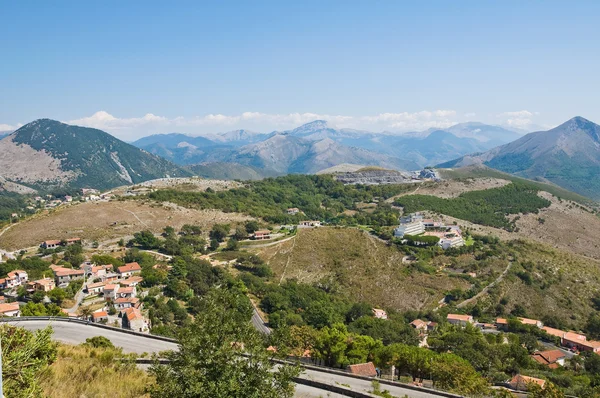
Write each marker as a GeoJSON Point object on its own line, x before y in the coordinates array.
{"type": "Point", "coordinates": [364, 267]}
{"type": "Point", "coordinates": [562, 284]}
{"type": "Point", "coordinates": [92, 373]}
{"type": "Point", "coordinates": [100, 221]}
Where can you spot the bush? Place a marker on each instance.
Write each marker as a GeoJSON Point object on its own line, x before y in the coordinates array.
{"type": "Point", "coordinates": [98, 342]}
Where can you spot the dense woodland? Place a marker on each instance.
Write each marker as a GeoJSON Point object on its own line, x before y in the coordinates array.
{"type": "Point", "coordinates": [486, 207]}
{"type": "Point", "coordinates": [318, 197]}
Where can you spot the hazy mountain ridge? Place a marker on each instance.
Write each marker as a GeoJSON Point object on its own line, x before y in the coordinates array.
{"type": "Point", "coordinates": [303, 151]}
{"type": "Point", "coordinates": [567, 155]}
{"type": "Point", "coordinates": [48, 154]}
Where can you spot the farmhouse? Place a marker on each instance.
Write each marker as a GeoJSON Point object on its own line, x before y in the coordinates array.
{"type": "Point", "coordinates": [379, 313]}
{"type": "Point", "coordinates": [459, 319]}
{"type": "Point", "coordinates": [419, 324]}
{"type": "Point", "coordinates": [262, 234]}
{"type": "Point", "coordinates": [53, 244]}
{"type": "Point", "coordinates": [293, 211]}
{"type": "Point", "coordinates": [309, 223]}
{"type": "Point", "coordinates": [50, 244]}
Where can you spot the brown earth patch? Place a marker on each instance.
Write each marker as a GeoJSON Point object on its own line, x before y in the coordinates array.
{"type": "Point", "coordinates": [100, 221]}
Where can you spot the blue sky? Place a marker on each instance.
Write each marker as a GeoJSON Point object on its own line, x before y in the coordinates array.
{"type": "Point", "coordinates": [136, 68]}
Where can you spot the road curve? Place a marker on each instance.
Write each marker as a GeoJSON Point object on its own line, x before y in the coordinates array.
{"type": "Point", "coordinates": [77, 333]}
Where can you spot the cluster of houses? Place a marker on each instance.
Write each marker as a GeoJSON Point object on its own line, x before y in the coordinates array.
{"type": "Point", "coordinates": [119, 290]}
{"type": "Point", "coordinates": [553, 359]}
{"type": "Point", "coordinates": [416, 224]}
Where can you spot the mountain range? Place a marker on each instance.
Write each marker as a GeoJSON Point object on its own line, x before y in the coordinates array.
{"type": "Point", "coordinates": [46, 154]}
{"type": "Point", "coordinates": [567, 155]}
{"type": "Point", "coordinates": [316, 145]}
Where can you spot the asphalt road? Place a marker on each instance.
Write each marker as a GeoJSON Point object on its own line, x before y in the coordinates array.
{"type": "Point", "coordinates": [76, 333]}
{"type": "Point", "coordinates": [258, 323]}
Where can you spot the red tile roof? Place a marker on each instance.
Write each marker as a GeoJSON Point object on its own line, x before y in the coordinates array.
{"type": "Point", "coordinates": [7, 307]}
{"type": "Point", "coordinates": [130, 267]}
{"type": "Point", "coordinates": [553, 332]}
{"type": "Point", "coordinates": [363, 369]}
{"type": "Point", "coordinates": [520, 382]}
{"type": "Point", "coordinates": [459, 317]}
{"type": "Point", "coordinates": [133, 313]}
{"type": "Point", "coordinates": [548, 358]}
{"type": "Point", "coordinates": [99, 314]}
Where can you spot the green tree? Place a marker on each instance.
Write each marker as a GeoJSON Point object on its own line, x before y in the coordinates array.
{"type": "Point", "coordinates": [25, 356]}
{"type": "Point", "coordinates": [57, 295]}
{"type": "Point", "coordinates": [219, 232]}
{"type": "Point", "coordinates": [146, 240]}
{"type": "Point", "coordinates": [331, 345]}
{"type": "Point", "coordinates": [38, 296]}
{"type": "Point", "coordinates": [251, 226]}
{"type": "Point", "coordinates": [209, 361]}
{"type": "Point", "coordinates": [214, 244]}
{"type": "Point", "coordinates": [232, 244]}
{"type": "Point", "coordinates": [549, 390]}
{"type": "Point", "coordinates": [168, 232]}
{"type": "Point", "coordinates": [189, 229]}
{"type": "Point", "coordinates": [240, 233]}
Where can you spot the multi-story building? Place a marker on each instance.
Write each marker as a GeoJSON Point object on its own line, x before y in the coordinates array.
{"type": "Point", "coordinates": [411, 228]}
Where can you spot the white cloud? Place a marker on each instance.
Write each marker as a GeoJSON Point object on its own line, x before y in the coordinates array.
{"type": "Point", "coordinates": [523, 119]}
{"type": "Point", "coordinates": [104, 120]}
{"type": "Point", "coordinates": [470, 115]}
{"type": "Point", "coordinates": [9, 127]}
{"type": "Point", "coordinates": [131, 128]}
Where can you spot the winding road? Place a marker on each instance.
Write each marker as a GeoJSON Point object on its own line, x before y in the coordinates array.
{"type": "Point", "coordinates": [77, 332]}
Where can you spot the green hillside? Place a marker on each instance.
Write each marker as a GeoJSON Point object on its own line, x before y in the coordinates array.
{"type": "Point", "coordinates": [97, 159]}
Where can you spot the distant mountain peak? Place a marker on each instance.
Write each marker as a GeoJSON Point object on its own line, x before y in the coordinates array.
{"type": "Point", "coordinates": [578, 122]}
{"type": "Point", "coordinates": [309, 128]}
{"type": "Point", "coordinates": [322, 124]}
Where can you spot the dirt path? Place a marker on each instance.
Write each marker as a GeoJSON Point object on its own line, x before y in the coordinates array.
{"type": "Point", "coordinates": [135, 215]}
{"type": "Point", "coordinates": [6, 229]}
{"type": "Point", "coordinates": [487, 288]}
{"type": "Point", "coordinates": [391, 200]}
{"type": "Point", "coordinates": [267, 244]}
{"type": "Point", "coordinates": [288, 260]}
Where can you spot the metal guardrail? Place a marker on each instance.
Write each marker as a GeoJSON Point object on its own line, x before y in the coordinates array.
{"type": "Point", "coordinates": [89, 323]}
{"type": "Point", "coordinates": [308, 382]}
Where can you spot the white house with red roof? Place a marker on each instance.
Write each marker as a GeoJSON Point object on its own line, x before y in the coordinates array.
{"type": "Point", "coordinates": [129, 269]}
